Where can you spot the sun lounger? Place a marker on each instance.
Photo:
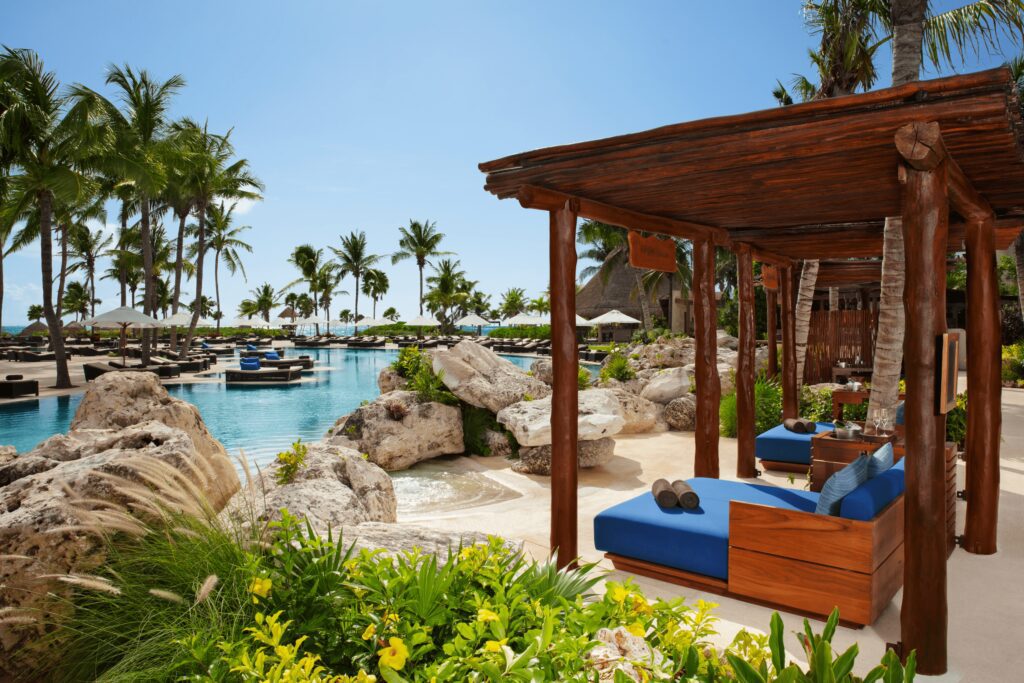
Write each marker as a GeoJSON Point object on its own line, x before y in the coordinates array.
{"type": "Point", "coordinates": [35, 356]}
{"type": "Point", "coordinates": [161, 370]}
{"type": "Point", "coordinates": [275, 375]}
{"type": "Point", "coordinates": [15, 386]}
{"type": "Point", "coordinates": [782, 450]}
{"type": "Point", "coordinates": [191, 365]}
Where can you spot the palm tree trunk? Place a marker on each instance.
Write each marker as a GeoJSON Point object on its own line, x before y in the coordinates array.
{"type": "Point", "coordinates": [645, 303]}
{"type": "Point", "coordinates": [356, 314]}
{"type": "Point", "coordinates": [907, 35]}
{"type": "Point", "coordinates": [198, 307]}
{"type": "Point", "coordinates": [62, 279]}
{"type": "Point", "coordinates": [46, 257]}
{"type": "Point", "coordinates": [885, 377]}
{"type": "Point", "coordinates": [178, 255]}
{"type": "Point", "coordinates": [147, 274]}
{"type": "Point", "coordinates": [92, 290]}
{"type": "Point", "coordinates": [216, 286]}
{"type": "Point", "coordinates": [421, 287]}
{"type": "Point", "coordinates": [802, 316]}
{"type": "Point", "coordinates": [1018, 255]}
{"type": "Point", "coordinates": [1, 289]}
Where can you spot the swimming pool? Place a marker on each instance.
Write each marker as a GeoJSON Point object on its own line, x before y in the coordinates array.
{"type": "Point", "coordinates": [259, 420]}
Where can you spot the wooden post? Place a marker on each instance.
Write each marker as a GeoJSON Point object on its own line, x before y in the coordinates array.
{"type": "Point", "coordinates": [790, 399]}
{"type": "Point", "coordinates": [984, 387]}
{"type": "Point", "coordinates": [745, 465]}
{"type": "Point", "coordinates": [772, 320]}
{"type": "Point", "coordinates": [564, 408]}
{"type": "Point", "coordinates": [709, 388]}
{"type": "Point", "coordinates": [924, 613]}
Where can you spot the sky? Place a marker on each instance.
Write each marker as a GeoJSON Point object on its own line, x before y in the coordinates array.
{"type": "Point", "coordinates": [364, 115]}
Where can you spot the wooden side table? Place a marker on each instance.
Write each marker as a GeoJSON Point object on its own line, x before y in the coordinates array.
{"type": "Point", "coordinates": [829, 454]}
{"type": "Point", "coordinates": [951, 453]}
{"type": "Point", "coordinates": [848, 372]}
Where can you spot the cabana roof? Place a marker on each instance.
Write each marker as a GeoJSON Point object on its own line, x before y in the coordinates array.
{"type": "Point", "coordinates": [782, 179]}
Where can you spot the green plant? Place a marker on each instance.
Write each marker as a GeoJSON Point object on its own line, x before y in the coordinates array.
{"type": "Point", "coordinates": [616, 366]}
{"type": "Point", "coordinates": [816, 404]}
{"type": "Point", "coordinates": [290, 462]}
{"type": "Point", "coordinates": [583, 378]}
{"type": "Point", "coordinates": [521, 332]}
{"type": "Point", "coordinates": [767, 408]}
{"type": "Point", "coordinates": [410, 360]}
{"type": "Point", "coordinates": [476, 422]}
{"type": "Point", "coordinates": [956, 421]}
{"type": "Point", "coordinates": [429, 386]}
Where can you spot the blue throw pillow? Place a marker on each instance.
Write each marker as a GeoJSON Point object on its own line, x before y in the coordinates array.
{"type": "Point", "coordinates": [841, 483]}
{"type": "Point", "coordinates": [271, 355]}
{"type": "Point", "coordinates": [881, 460]}
{"type": "Point", "coordinates": [901, 410]}
{"type": "Point", "coordinates": [250, 347]}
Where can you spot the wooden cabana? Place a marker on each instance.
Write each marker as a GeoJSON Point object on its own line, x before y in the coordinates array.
{"type": "Point", "coordinates": [813, 180]}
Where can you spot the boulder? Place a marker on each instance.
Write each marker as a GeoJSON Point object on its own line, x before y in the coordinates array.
{"type": "Point", "coordinates": [600, 415]}
{"type": "Point", "coordinates": [7, 453]}
{"type": "Point", "coordinates": [619, 653]}
{"type": "Point", "coordinates": [497, 443]}
{"type": "Point", "coordinates": [537, 459]}
{"type": "Point", "coordinates": [640, 414]}
{"type": "Point", "coordinates": [389, 380]}
{"type": "Point", "coordinates": [727, 340]}
{"type": "Point", "coordinates": [681, 413]}
{"type": "Point", "coordinates": [398, 430]}
{"type": "Point", "coordinates": [398, 538]}
{"type": "Point", "coordinates": [667, 385]}
{"type": "Point", "coordinates": [483, 379]}
{"type": "Point", "coordinates": [664, 353]}
{"type": "Point", "coordinates": [335, 487]}
{"type": "Point", "coordinates": [543, 369]}
{"type": "Point", "coordinates": [118, 399]}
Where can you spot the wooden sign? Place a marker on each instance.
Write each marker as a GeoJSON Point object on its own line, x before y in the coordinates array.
{"type": "Point", "coordinates": [651, 253]}
{"type": "Point", "coordinates": [769, 277]}
{"type": "Point", "coordinates": [949, 371]}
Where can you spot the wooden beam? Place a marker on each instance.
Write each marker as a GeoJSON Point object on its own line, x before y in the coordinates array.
{"type": "Point", "coordinates": [925, 214]}
{"type": "Point", "coordinates": [772, 320]}
{"type": "Point", "coordinates": [564, 399]}
{"type": "Point", "coordinates": [984, 386]}
{"type": "Point", "coordinates": [533, 197]}
{"type": "Point", "coordinates": [709, 387]}
{"type": "Point", "coordinates": [790, 398]}
{"type": "Point", "coordinates": [745, 411]}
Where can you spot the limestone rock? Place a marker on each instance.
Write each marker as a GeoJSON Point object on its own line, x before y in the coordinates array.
{"type": "Point", "coordinates": [681, 413]}
{"type": "Point", "coordinates": [497, 443]}
{"type": "Point", "coordinates": [667, 385]}
{"type": "Point", "coordinates": [335, 487]}
{"type": "Point", "coordinates": [617, 650]}
{"type": "Point", "coordinates": [670, 353]}
{"type": "Point", "coordinates": [7, 453]}
{"type": "Point", "coordinates": [483, 379]}
{"type": "Point", "coordinates": [600, 415]}
{"type": "Point", "coordinates": [640, 414]}
{"type": "Point", "coordinates": [397, 538]}
{"type": "Point", "coordinates": [118, 399]}
{"type": "Point", "coordinates": [543, 370]}
{"type": "Point", "coordinates": [537, 459]}
{"type": "Point", "coordinates": [390, 380]}
{"type": "Point", "coordinates": [727, 340]}
{"type": "Point", "coordinates": [398, 430]}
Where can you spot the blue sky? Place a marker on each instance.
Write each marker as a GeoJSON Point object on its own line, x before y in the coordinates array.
{"type": "Point", "coordinates": [362, 115]}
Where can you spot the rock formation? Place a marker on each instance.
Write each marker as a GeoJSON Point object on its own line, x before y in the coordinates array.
{"type": "Point", "coordinates": [537, 459]}
{"type": "Point", "coordinates": [483, 379]}
{"type": "Point", "coordinates": [600, 415]}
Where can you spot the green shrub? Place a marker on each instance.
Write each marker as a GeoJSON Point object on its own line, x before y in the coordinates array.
{"type": "Point", "coordinates": [1013, 362]}
{"type": "Point", "coordinates": [476, 422]}
{"type": "Point", "coordinates": [430, 387]}
{"type": "Point", "coordinates": [767, 408]}
{"type": "Point", "coordinates": [290, 462]}
{"type": "Point", "coordinates": [521, 332]}
{"type": "Point", "coordinates": [616, 366]}
{"type": "Point", "coordinates": [409, 361]}
{"type": "Point", "coordinates": [583, 378]}
{"type": "Point", "coordinates": [728, 422]}
{"type": "Point", "coordinates": [956, 421]}
{"type": "Point", "coordinates": [816, 404]}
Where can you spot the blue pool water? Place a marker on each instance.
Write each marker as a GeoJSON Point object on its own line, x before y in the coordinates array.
{"type": "Point", "coordinates": [261, 421]}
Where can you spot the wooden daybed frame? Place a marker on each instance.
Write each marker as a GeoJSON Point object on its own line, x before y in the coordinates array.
{"type": "Point", "coordinates": [802, 562]}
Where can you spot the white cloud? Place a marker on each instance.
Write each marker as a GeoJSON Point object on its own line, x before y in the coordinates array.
{"type": "Point", "coordinates": [28, 293]}
{"type": "Point", "coordinates": [244, 206]}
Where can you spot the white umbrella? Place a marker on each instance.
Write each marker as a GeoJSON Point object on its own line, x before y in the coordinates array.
{"type": "Point", "coordinates": [374, 322]}
{"type": "Point", "coordinates": [123, 317]}
{"type": "Point", "coordinates": [614, 317]}
{"type": "Point", "coordinates": [242, 322]}
{"type": "Point", "coordinates": [179, 319]}
{"type": "Point", "coordinates": [583, 322]}
{"type": "Point", "coordinates": [474, 321]}
{"type": "Point", "coordinates": [521, 319]}
{"type": "Point", "coordinates": [422, 321]}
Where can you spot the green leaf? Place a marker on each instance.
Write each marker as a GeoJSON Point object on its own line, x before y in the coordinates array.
{"type": "Point", "coordinates": [745, 673]}
{"type": "Point", "coordinates": [390, 675]}
{"type": "Point", "coordinates": [821, 663]}
{"type": "Point", "coordinates": [776, 642]}
{"type": "Point", "coordinates": [843, 664]}
{"type": "Point", "coordinates": [830, 626]}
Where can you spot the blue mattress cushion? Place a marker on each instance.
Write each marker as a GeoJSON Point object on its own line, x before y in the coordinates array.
{"type": "Point", "coordinates": [782, 445]}
{"type": "Point", "coordinates": [880, 461]}
{"type": "Point", "coordinates": [844, 481]}
{"type": "Point", "coordinates": [250, 347]}
{"type": "Point", "coordinates": [692, 540]}
{"type": "Point", "coordinates": [250, 364]}
{"type": "Point", "coordinates": [271, 355]}
{"type": "Point", "coordinates": [867, 500]}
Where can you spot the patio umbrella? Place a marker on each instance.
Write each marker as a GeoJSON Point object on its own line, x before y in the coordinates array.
{"type": "Point", "coordinates": [34, 328]}
{"type": "Point", "coordinates": [179, 319]}
{"type": "Point", "coordinates": [583, 322]}
{"type": "Point", "coordinates": [473, 320]}
{"type": "Point", "coordinates": [241, 322]}
{"type": "Point", "coordinates": [423, 321]}
{"type": "Point", "coordinates": [614, 317]}
{"type": "Point", "coordinates": [123, 317]}
{"type": "Point", "coordinates": [521, 319]}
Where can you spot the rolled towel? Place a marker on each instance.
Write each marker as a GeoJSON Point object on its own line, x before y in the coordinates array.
{"type": "Point", "coordinates": [13, 378]}
{"type": "Point", "coordinates": [688, 498]}
{"type": "Point", "coordinates": [664, 495]}
{"type": "Point", "coordinates": [795, 425]}
{"type": "Point", "coordinates": [810, 426]}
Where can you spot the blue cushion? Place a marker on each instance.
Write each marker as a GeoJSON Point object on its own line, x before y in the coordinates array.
{"type": "Point", "coordinates": [692, 540]}
{"type": "Point", "coordinates": [880, 460]}
{"type": "Point", "coordinates": [901, 410]}
{"type": "Point", "coordinates": [782, 445]}
{"type": "Point", "coordinates": [250, 363]}
{"type": "Point", "coordinates": [271, 355]}
{"type": "Point", "coordinates": [867, 500]}
{"type": "Point", "coordinates": [250, 347]}
{"type": "Point", "coordinates": [844, 481]}
{"type": "Point", "coordinates": [204, 345]}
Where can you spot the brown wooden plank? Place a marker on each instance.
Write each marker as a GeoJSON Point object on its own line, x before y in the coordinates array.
{"type": "Point", "coordinates": [745, 462]}
{"type": "Point", "coordinates": [709, 387]}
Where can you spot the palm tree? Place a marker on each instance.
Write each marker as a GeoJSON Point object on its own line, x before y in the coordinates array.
{"type": "Point", "coordinates": [420, 241]}
{"type": "Point", "coordinates": [354, 260]}
{"type": "Point", "coordinates": [375, 286]}
{"type": "Point", "coordinates": [78, 300]}
{"type": "Point", "coordinates": [263, 300]}
{"type": "Point", "coordinates": [328, 282]}
{"type": "Point", "coordinates": [540, 305]}
{"type": "Point", "coordinates": [310, 262]}
{"type": "Point", "coordinates": [608, 245]}
{"type": "Point", "coordinates": [35, 312]}
{"type": "Point", "coordinates": [86, 247]}
{"type": "Point", "coordinates": [224, 241]}
{"type": "Point", "coordinates": [55, 144]}
{"type": "Point", "coordinates": [449, 292]}
{"type": "Point", "coordinates": [513, 302]}
{"type": "Point", "coordinates": [391, 313]}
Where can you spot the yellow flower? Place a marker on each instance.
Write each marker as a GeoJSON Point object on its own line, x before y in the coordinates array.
{"type": "Point", "coordinates": [260, 587]}
{"type": "Point", "coordinates": [486, 615]}
{"type": "Point", "coordinates": [619, 593]}
{"type": "Point", "coordinates": [637, 629]}
{"type": "Point", "coordinates": [494, 645]}
{"type": "Point", "coordinates": [370, 632]}
{"type": "Point", "coordinates": [641, 606]}
{"type": "Point", "coordinates": [394, 655]}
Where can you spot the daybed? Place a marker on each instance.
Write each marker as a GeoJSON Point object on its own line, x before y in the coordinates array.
{"type": "Point", "coordinates": [277, 375]}
{"type": "Point", "coordinates": [783, 450]}
{"type": "Point", "coordinates": [16, 386]}
{"type": "Point", "coordinates": [766, 544]}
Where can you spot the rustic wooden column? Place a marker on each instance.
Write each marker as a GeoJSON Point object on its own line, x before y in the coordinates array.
{"type": "Point", "coordinates": [564, 408]}
{"type": "Point", "coordinates": [772, 323]}
{"type": "Point", "coordinates": [709, 388]}
{"type": "Point", "coordinates": [790, 399]}
{"type": "Point", "coordinates": [745, 465]}
{"type": "Point", "coordinates": [984, 387]}
{"type": "Point", "coordinates": [924, 613]}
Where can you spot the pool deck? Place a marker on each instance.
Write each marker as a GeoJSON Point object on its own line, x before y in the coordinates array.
{"type": "Point", "coordinates": [986, 593]}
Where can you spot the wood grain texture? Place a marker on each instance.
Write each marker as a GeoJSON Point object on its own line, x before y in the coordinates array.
{"type": "Point", "coordinates": [709, 387]}
{"type": "Point", "coordinates": [564, 400]}
{"type": "Point", "coordinates": [790, 397]}
{"type": "Point", "coordinates": [772, 322]}
{"type": "Point", "coordinates": [745, 411]}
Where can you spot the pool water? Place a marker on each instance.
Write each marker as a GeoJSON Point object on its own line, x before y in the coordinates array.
{"type": "Point", "coordinates": [257, 420]}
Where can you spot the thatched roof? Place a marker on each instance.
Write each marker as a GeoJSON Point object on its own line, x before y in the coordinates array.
{"type": "Point", "coordinates": [618, 291]}
{"type": "Point", "coordinates": [35, 328]}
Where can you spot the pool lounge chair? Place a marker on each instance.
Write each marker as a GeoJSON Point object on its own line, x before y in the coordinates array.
{"type": "Point", "coordinates": [765, 544]}
{"type": "Point", "coordinates": [191, 365]}
{"type": "Point", "coordinates": [35, 356]}
{"type": "Point", "coordinates": [161, 370]}
{"type": "Point", "coordinates": [15, 386]}
{"type": "Point", "coordinates": [275, 375]}
{"type": "Point", "coordinates": [785, 451]}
